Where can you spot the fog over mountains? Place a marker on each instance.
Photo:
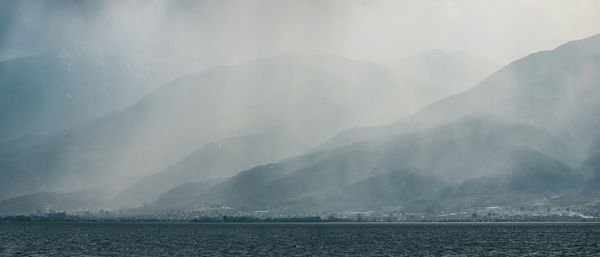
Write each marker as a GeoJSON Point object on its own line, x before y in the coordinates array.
{"type": "Point", "coordinates": [294, 132]}
{"type": "Point", "coordinates": [258, 112]}
{"type": "Point", "coordinates": [521, 134]}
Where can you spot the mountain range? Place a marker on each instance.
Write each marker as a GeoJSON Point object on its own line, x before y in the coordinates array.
{"type": "Point", "coordinates": [265, 135]}
{"type": "Point", "coordinates": [522, 135]}
{"type": "Point", "coordinates": [209, 125]}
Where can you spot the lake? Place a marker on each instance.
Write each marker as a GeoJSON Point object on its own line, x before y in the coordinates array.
{"type": "Point", "coordinates": [299, 239]}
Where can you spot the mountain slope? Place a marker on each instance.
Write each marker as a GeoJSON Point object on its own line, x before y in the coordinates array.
{"type": "Point", "coordinates": [386, 96]}
{"type": "Point", "coordinates": [291, 97]}
{"type": "Point", "coordinates": [468, 149]}
{"type": "Point", "coordinates": [52, 201]}
{"type": "Point", "coordinates": [518, 134]}
{"type": "Point", "coordinates": [555, 89]}
{"type": "Point", "coordinates": [223, 159]}
{"type": "Point", "coordinates": [53, 91]}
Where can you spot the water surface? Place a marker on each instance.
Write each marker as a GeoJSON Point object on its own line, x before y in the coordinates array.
{"type": "Point", "coordinates": [299, 239]}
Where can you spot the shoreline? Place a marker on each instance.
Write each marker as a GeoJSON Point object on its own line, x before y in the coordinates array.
{"type": "Point", "coordinates": [302, 222]}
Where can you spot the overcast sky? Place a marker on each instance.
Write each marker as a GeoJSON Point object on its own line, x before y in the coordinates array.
{"type": "Point", "coordinates": [219, 32]}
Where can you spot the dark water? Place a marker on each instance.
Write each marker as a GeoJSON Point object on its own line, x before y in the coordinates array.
{"type": "Point", "coordinates": [116, 239]}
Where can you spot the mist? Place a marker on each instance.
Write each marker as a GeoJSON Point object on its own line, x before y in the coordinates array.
{"type": "Point", "coordinates": [296, 107]}
{"type": "Point", "coordinates": [225, 32]}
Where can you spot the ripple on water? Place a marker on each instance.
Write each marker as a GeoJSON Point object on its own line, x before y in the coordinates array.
{"type": "Point", "coordinates": [300, 239]}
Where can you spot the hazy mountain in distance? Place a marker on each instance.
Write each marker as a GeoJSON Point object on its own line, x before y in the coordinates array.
{"type": "Point", "coordinates": [227, 157]}
{"type": "Point", "coordinates": [434, 158]}
{"type": "Point", "coordinates": [555, 89]}
{"type": "Point", "coordinates": [378, 95]}
{"type": "Point", "coordinates": [456, 71]}
{"type": "Point", "coordinates": [543, 105]}
{"type": "Point", "coordinates": [379, 89]}
{"type": "Point", "coordinates": [437, 74]}
{"type": "Point", "coordinates": [52, 201]}
{"type": "Point", "coordinates": [53, 91]}
{"type": "Point", "coordinates": [180, 114]}
{"type": "Point", "coordinates": [527, 129]}
{"type": "Point", "coordinates": [240, 185]}
{"type": "Point", "coordinates": [283, 95]}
